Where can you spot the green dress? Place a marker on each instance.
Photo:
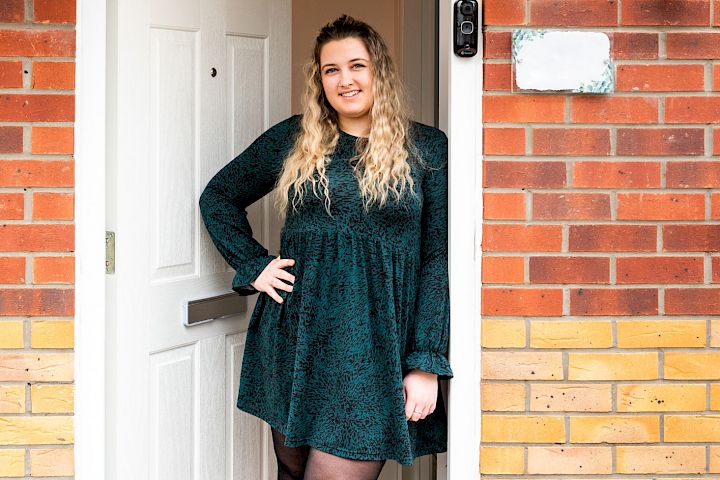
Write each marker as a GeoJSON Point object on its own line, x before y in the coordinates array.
{"type": "Point", "coordinates": [370, 300]}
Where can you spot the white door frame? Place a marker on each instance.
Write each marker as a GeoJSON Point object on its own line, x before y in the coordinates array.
{"type": "Point", "coordinates": [460, 84]}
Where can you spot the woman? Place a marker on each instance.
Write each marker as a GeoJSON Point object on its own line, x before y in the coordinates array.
{"type": "Point", "coordinates": [345, 348]}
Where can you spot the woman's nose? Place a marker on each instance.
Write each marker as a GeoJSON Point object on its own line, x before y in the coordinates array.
{"type": "Point", "coordinates": [345, 78]}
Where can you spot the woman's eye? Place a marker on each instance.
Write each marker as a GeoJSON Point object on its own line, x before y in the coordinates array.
{"type": "Point", "coordinates": [359, 65]}
{"type": "Point", "coordinates": [329, 70]}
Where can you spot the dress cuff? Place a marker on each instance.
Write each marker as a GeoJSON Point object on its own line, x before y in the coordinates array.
{"type": "Point", "coordinates": [428, 362]}
{"type": "Point", "coordinates": [248, 272]}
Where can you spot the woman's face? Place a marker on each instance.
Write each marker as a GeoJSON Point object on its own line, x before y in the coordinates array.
{"type": "Point", "coordinates": [347, 79]}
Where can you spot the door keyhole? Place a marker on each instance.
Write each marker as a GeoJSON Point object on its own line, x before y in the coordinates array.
{"type": "Point", "coordinates": [213, 72]}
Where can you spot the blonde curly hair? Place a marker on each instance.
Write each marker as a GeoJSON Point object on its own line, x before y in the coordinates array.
{"type": "Point", "coordinates": [382, 166]}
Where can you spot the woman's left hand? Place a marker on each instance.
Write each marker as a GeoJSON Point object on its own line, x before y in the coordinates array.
{"type": "Point", "coordinates": [420, 393]}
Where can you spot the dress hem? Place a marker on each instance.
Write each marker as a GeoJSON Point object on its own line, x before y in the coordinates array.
{"type": "Point", "coordinates": [354, 455]}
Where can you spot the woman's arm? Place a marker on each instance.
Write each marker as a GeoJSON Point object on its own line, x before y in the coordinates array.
{"type": "Point", "coordinates": [246, 179]}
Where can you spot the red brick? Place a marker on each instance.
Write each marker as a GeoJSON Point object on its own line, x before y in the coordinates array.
{"type": "Point", "coordinates": [503, 269]}
{"type": "Point", "coordinates": [54, 75]}
{"type": "Point", "coordinates": [36, 238]}
{"type": "Point", "coordinates": [692, 301]}
{"type": "Point", "coordinates": [12, 11]}
{"type": "Point", "coordinates": [666, 12]}
{"type": "Point", "coordinates": [715, 206]}
{"type": "Point", "coordinates": [11, 74]}
{"type": "Point", "coordinates": [522, 301]}
{"type": "Point", "coordinates": [601, 109]}
{"type": "Point", "coordinates": [571, 141]}
{"type": "Point", "coordinates": [634, 45]}
{"type": "Point", "coordinates": [715, 269]}
{"type": "Point", "coordinates": [700, 45]}
{"type": "Point", "coordinates": [716, 141]}
{"type": "Point", "coordinates": [692, 109]}
{"type": "Point", "coordinates": [55, 11]}
{"type": "Point", "coordinates": [12, 270]}
{"type": "Point", "coordinates": [660, 206]}
{"type": "Point", "coordinates": [616, 175]}
{"type": "Point", "coordinates": [660, 78]}
{"type": "Point", "coordinates": [504, 141]}
{"type": "Point", "coordinates": [53, 270]}
{"type": "Point", "coordinates": [513, 174]}
{"type": "Point", "coordinates": [52, 206]}
{"type": "Point", "coordinates": [569, 270]}
{"type": "Point", "coordinates": [571, 206]}
{"type": "Point", "coordinates": [36, 173]}
{"type": "Point", "coordinates": [521, 238]}
{"type": "Point", "coordinates": [686, 174]}
{"type": "Point", "coordinates": [37, 108]}
{"type": "Point", "coordinates": [691, 238]}
{"type": "Point", "coordinates": [11, 139]}
{"type": "Point", "coordinates": [37, 302]}
{"type": "Point", "coordinates": [568, 13]}
{"type": "Point", "coordinates": [37, 43]}
{"type": "Point", "coordinates": [613, 301]}
{"type": "Point", "coordinates": [612, 238]}
{"type": "Point", "coordinates": [659, 270]}
{"type": "Point", "coordinates": [497, 44]}
{"type": "Point", "coordinates": [503, 12]}
{"type": "Point", "coordinates": [503, 206]}
{"type": "Point", "coordinates": [660, 141]}
{"type": "Point", "coordinates": [717, 13]}
{"type": "Point", "coordinates": [716, 76]}
{"type": "Point", "coordinates": [497, 76]}
{"type": "Point", "coordinates": [12, 206]}
{"type": "Point", "coordinates": [52, 140]}
{"type": "Point", "coordinates": [524, 108]}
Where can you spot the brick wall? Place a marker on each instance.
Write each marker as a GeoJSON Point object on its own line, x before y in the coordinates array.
{"type": "Point", "coordinates": [37, 48]}
{"type": "Point", "coordinates": [600, 301]}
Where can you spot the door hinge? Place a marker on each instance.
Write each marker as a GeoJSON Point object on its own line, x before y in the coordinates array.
{"type": "Point", "coordinates": [109, 252]}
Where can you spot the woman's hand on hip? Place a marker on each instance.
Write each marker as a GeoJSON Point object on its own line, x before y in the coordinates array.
{"type": "Point", "coordinates": [420, 392]}
{"type": "Point", "coordinates": [272, 278]}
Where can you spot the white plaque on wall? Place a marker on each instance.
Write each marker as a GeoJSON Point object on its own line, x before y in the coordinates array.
{"type": "Point", "coordinates": [549, 60]}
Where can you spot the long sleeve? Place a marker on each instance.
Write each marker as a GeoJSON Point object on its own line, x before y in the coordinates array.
{"type": "Point", "coordinates": [244, 180]}
{"type": "Point", "coordinates": [429, 330]}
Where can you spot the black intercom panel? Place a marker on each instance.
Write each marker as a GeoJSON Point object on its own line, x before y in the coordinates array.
{"type": "Point", "coordinates": [466, 28]}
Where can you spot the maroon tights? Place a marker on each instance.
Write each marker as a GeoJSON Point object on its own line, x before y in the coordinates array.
{"type": "Point", "coordinates": [307, 463]}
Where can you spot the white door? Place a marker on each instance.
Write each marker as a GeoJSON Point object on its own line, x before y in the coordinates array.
{"type": "Point", "coordinates": [193, 82]}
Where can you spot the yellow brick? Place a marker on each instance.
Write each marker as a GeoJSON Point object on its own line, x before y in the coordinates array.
{"type": "Point", "coordinates": [52, 334]}
{"type": "Point", "coordinates": [36, 430]}
{"type": "Point", "coordinates": [503, 333]}
{"type": "Point", "coordinates": [569, 460]}
{"type": "Point", "coordinates": [615, 429]}
{"type": "Point", "coordinates": [715, 396]}
{"type": "Point", "coordinates": [715, 333]}
{"type": "Point", "coordinates": [36, 367]}
{"type": "Point", "coordinates": [11, 334]}
{"type": "Point", "coordinates": [499, 460]}
{"type": "Point", "coordinates": [12, 463]}
{"type": "Point", "coordinates": [613, 366]}
{"type": "Point", "coordinates": [52, 398]}
{"type": "Point", "coordinates": [522, 366]}
{"type": "Point", "coordinates": [530, 429]}
{"type": "Point", "coordinates": [586, 334]}
{"type": "Point", "coordinates": [692, 366]}
{"type": "Point", "coordinates": [661, 398]}
{"type": "Point", "coordinates": [692, 428]}
{"type": "Point", "coordinates": [668, 460]}
{"type": "Point", "coordinates": [661, 333]}
{"type": "Point", "coordinates": [52, 462]}
{"type": "Point", "coordinates": [592, 397]}
{"type": "Point", "coordinates": [714, 459]}
{"type": "Point", "coordinates": [12, 398]}
{"type": "Point", "coordinates": [502, 397]}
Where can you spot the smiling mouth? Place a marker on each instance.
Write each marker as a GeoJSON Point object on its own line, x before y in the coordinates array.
{"type": "Point", "coordinates": [351, 93]}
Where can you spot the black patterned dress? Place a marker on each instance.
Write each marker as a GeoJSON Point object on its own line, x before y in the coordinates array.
{"type": "Point", "coordinates": [370, 300]}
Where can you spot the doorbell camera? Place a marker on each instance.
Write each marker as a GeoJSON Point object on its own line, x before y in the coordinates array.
{"type": "Point", "coordinates": [466, 28]}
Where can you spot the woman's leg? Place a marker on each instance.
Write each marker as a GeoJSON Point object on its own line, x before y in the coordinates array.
{"type": "Point", "coordinates": [291, 460]}
{"type": "Point", "coordinates": [324, 466]}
